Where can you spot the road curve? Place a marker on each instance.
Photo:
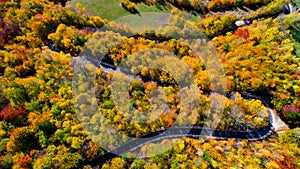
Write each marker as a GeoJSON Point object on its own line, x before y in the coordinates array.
{"type": "Point", "coordinates": [185, 131]}
{"type": "Point", "coordinates": [180, 132]}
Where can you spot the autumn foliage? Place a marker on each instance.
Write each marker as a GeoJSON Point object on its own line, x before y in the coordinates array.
{"type": "Point", "coordinates": [10, 114]}
{"type": "Point", "coordinates": [41, 127]}
{"type": "Point", "coordinates": [4, 1]}
{"type": "Point", "coordinates": [291, 113]}
{"type": "Point", "coordinates": [7, 32]}
{"type": "Point", "coordinates": [242, 33]}
{"type": "Point", "coordinates": [25, 161]}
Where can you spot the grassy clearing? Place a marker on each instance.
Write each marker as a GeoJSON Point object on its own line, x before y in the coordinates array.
{"type": "Point", "coordinates": [112, 9]}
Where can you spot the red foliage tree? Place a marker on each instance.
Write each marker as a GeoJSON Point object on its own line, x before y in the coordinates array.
{"type": "Point", "coordinates": [10, 114]}
{"type": "Point", "coordinates": [242, 33]}
{"type": "Point", "coordinates": [8, 32]}
{"type": "Point", "coordinates": [1, 1]}
{"type": "Point", "coordinates": [291, 113]}
{"type": "Point", "coordinates": [289, 109]}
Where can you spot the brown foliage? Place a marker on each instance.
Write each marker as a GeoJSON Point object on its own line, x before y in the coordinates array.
{"type": "Point", "coordinates": [1, 1]}
{"type": "Point", "coordinates": [287, 162]}
{"type": "Point", "coordinates": [10, 114]}
{"type": "Point", "coordinates": [7, 32]}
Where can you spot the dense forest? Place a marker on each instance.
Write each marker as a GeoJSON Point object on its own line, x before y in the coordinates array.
{"type": "Point", "coordinates": [62, 63]}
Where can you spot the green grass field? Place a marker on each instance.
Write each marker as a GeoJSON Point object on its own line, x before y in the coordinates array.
{"type": "Point", "coordinates": [112, 9]}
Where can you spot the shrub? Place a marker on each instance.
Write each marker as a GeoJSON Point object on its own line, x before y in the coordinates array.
{"type": "Point", "coordinates": [68, 38]}
{"type": "Point", "coordinates": [291, 114]}
{"type": "Point", "coordinates": [10, 114]}
{"type": "Point", "coordinates": [22, 139]}
{"type": "Point", "coordinates": [129, 6]}
{"type": "Point", "coordinates": [242, 33]}
{"type": "Point", "coordinates": [211, 26]}
{"type": "Point", "coordinates": [7, 32]}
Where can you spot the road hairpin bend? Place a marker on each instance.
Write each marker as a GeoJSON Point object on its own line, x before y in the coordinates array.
{"type": "Point", "coordinates": [192, 132]}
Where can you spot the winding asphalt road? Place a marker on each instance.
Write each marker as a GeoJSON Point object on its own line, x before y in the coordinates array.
{"type": "Point", "coordinates": [180, 132]}
{"type": "Point", "coordinates": [192, 132]}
